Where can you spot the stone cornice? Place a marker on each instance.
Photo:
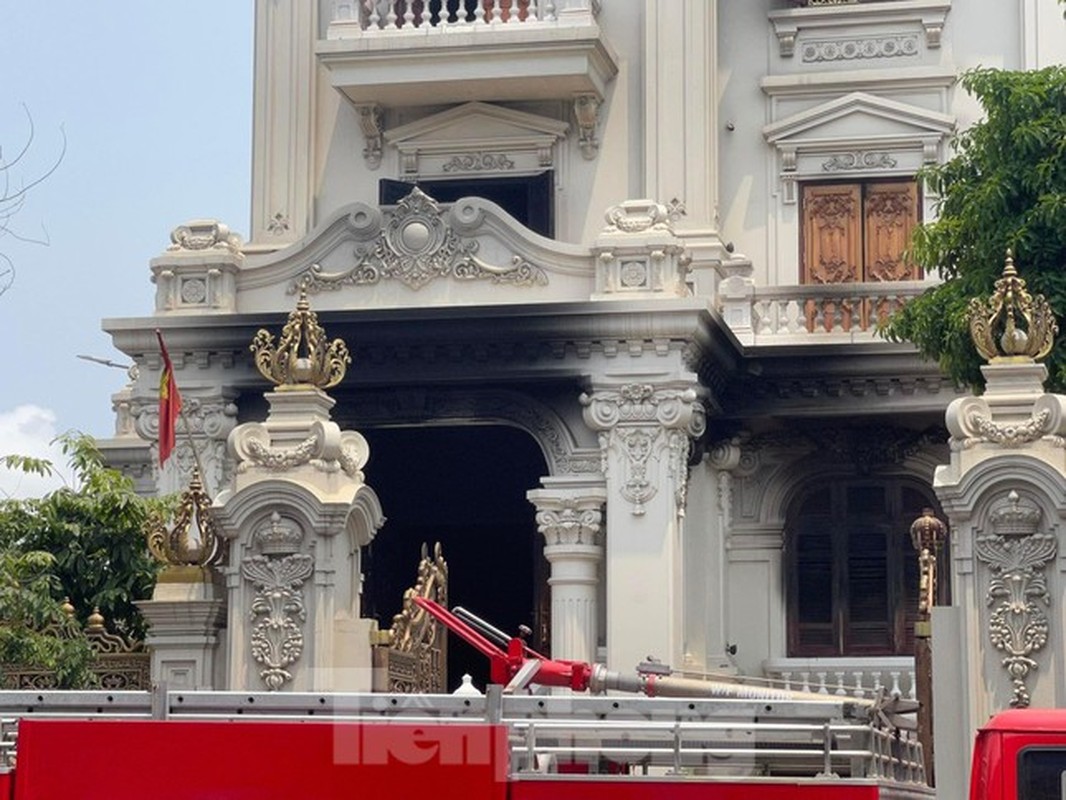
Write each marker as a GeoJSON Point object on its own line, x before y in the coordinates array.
{"type": "Point", "coordinates": [544, 338]}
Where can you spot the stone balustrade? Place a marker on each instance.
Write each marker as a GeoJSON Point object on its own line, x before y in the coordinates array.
{"type": "Point", "coordinates": [812, 314]}
{"type": "Point", "coordinates": [854, 676]}
{"type": "Point", "coordinates": [423, 16]}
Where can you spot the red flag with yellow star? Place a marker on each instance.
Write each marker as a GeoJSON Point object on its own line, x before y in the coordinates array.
{"type": "Point", "coordinates": [169, 404]}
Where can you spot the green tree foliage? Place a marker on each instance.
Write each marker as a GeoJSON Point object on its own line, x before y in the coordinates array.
{"type": "Point", "coordinates": [35, 630]}
{"type": "Point", "coordinates": [1005, 188]}
{"type": "Point", "coordinates": [92, 535]}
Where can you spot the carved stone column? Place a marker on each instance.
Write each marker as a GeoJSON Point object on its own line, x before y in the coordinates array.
{"type": "Point", "coordinates": [645, 433]}
{"type": "Point", "coordinates": [570, 516]}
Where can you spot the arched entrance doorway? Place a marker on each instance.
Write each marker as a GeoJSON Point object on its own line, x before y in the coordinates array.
{"type": "Point", "coordinates": [464, 486]}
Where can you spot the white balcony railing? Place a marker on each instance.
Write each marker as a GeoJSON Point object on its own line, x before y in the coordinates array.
{"type": "Point", "coordinates": [851, 677]}
{"type": "Point", "coordinates": [361, 17]}
{"type": "Point", "coordinates": [811, 313]}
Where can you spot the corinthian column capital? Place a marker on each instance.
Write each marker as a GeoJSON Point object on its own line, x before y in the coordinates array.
{"type": "Point", "coordinates": [674, 406]}
{"type": "Point", "coordinates": [569, 517]}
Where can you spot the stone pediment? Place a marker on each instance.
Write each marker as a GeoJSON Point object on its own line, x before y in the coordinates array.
{"type": "Point", "coordinates": [477, 139]}
{"type": "Point", "coordinates": [856, 135]}
{"type": "Point", "coordinates": [858, 115]}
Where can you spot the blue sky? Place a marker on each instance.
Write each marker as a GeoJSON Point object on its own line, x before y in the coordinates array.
{"type": "Point", "coordinates": [155, 102]}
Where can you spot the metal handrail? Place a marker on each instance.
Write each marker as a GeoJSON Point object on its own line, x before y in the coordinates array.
{"type": "Point", "coordinates": [673, 733]}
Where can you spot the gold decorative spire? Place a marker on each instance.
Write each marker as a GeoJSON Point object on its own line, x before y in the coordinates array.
{"type": "Point", "coordinates": [192, 539]}
{"type": "Point", "coordinates": [302, 357]}
{"type": "Point", "coordinates": [1012, 324]}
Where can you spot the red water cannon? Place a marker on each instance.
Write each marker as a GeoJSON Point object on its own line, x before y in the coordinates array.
{"type": "Point", "coordinates": [512, 663]}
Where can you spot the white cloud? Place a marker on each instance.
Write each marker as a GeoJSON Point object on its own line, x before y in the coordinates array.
{"type": "Point", "coordinates": [29, 431]}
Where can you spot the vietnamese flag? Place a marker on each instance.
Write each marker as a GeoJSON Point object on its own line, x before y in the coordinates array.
{"type": "Point", "coordinates": [169, 404]}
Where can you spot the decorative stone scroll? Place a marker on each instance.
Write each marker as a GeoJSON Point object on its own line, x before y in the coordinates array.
{"type": "Point", "coordinates": [1016, 553]}
{"type": "Point", "coordinates": [327, 449]}
{"type": "Point", "coordinates": [417, 246]}
{"type": "Point", "coordinates": [859, 160]}
{"type": "Point", "coordinates": [204, 234]}
{"type": "Point", "coordinates": [971, 422]}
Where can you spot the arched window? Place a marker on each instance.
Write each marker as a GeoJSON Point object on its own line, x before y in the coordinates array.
{"type": "Point", "coordinates": [852, 571]}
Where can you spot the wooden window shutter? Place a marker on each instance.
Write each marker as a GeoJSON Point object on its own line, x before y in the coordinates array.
{"type": "Point", "coordinates": [890, 213]}
{"type": "Point", "coordinates": [832, 233]}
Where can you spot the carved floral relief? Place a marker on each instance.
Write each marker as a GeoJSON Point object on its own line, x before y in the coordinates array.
{"type": "Point", "coordinates": [1016, 553]}
{"type": "Point", "coordinates": [416, 246]}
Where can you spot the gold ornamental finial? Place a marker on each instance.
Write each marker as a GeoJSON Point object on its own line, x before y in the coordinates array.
{"type": "Point", "coordinates": [928, 535]}
{"type": "Point", "coordinates": [1012, 324]}
{"type": "Point", "coordinates": [96, 620]}
{"type": "Point", "coordinates": [302, 357]}
{"type": "Point", "coordinates": [192, 539]}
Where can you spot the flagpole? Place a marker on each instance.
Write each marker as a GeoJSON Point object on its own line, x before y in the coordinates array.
{"type": "Point", "coordinates": [181, 413]}
{"type": "Point", "coordinates": [195, 449]}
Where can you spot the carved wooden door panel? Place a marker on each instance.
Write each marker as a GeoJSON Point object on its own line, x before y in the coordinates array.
{"type": "Point", "coordinates": [858, 232]}
{"type": "Point", "coordinates": [890, 212]}
{"type": "Point", "coordinates": [832, 246]}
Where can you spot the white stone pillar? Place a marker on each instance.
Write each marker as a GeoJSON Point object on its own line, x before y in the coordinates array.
{"type": "Point", "coordinates": [1041, 34]}
{"type": "Point", "coordinates": [184, 618]}
{"type": "Point", "coordinates": [297, 517]}
{"type": "Point", "coordinates": [570, 516]}
{"type": "Point", "coordinates": [681, 119]}
{"type": "Point", "coordinates": [645, 432]}
{"type": "Point", "coordinates": [1002, 494]}
{"type": "Point", "coordinates": [283, 121]}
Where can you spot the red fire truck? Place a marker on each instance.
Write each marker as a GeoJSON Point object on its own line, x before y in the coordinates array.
{"type": "Point", "coordinates": [1021, 754]}
{"type": "Point", "coordinates": [685, 738]}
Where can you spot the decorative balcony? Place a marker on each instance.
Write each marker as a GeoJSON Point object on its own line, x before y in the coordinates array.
{"type": "Point", "coordinates": [854, 677]}
{"type": "Point", "coordinates": [420, 52]}
{"type": "Point", "coordinates": [811, 314]}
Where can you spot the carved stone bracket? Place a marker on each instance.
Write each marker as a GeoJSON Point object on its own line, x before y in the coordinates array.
{"type": "Point", "coordinates": [646, 428]}
{"type": "Point", "coordinates": [370, 123]}
{"type": "Point", "coordinates": [724, 457]}
{"type": "Point", "coordinates": [587, 113]}
{"type": "Point", "coordinates": [1016, 553]}
{"type": "Point", "coordinates": [415, 246]}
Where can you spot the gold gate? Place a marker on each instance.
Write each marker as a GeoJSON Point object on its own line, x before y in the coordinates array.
{"type": "Point", "coordinates": [412, 655]}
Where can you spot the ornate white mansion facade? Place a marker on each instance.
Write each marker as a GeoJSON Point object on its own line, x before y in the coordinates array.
{"type": "Point", "coordinates": [610, 273]}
